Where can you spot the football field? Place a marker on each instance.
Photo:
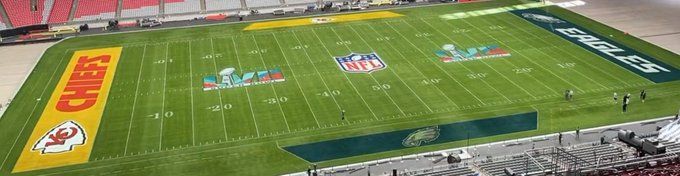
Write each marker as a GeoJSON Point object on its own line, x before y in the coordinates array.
{"type": "Point", "coordinates": [159, 120]}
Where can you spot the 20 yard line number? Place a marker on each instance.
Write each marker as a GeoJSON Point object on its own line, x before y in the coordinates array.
{"type": "Point", "coordinates": [217, 108]}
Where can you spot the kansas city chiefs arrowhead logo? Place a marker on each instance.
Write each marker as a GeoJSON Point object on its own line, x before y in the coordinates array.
{"type": "Point", "coordinates": [61, 138]}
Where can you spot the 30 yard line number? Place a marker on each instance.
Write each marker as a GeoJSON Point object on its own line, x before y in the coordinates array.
{"type": "Point", "coordinates": [276, 100]}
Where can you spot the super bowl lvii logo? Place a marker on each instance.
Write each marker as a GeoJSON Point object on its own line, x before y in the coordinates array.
{"type": "Point", "coordinates": [230, 79]}
{"type": "Point", "coordinates": [452, 54]}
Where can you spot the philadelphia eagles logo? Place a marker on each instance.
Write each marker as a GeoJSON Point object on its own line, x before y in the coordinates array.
{"type": "Point", "coordinates": [420, 136]}
{"type": "Point", "coordinates": [542, 18]}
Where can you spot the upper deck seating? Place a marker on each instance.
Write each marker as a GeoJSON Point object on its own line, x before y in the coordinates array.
{"type": "Point", "coordinates": [21, 14]}
{"type": "Point", "coordinates": [182, 6]}
{"type": "Point", "coordinates": [139, 8]}
{"type": "Point", "coordinates": [214, 5]}
{"type": "Point", "coordinates": [60, 11]}
{"type": "Point", "coordinates": [95, 10]}
{"type": "Point", "coordinates": [262, 3]}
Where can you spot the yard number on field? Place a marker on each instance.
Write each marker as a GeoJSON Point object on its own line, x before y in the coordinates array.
{"type": "Point", "coordinates": [329, 93]}
{"type": "Point", "coordinates": [424, 34]}
{"type": "Point", "coordinates": [258, 51]}
{"type": "Point", "coordinates": [567, 65]}
{"type": "Point", "coordinates": [477, 75]}
{"type": "Point", "coordinates": [276, 100]}
{"type": "Point", "coordinates": [431, 81]}
{"type": "Point", "coordinates": [346, 42]}
{"type": "Point", "coordinates": [381, 87]}
{"type": "Point", "coordinates": [299, 47]}
{"type": "Point", "coordinates": [216, 108]}
{"type": "Point", "coordinates": [212, 56]}
{"type": "Point", "coordinates": [162, 61]}
{"type": "Point", "coordinates": [523, 70]}
{"type": "Point", "coordinates": [383, 39]}
{"type": "Point", "coordinates": [158, 115]}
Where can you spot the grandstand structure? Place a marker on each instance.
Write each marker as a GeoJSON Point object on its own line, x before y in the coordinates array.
{"type": "Point", "coordinates": [18, 13]}
{"type": "Point", "coordinates": [584, 156]}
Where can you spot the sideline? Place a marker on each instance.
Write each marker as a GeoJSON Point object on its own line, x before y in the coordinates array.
{"type": "Point", "coordinates": [32, 68]}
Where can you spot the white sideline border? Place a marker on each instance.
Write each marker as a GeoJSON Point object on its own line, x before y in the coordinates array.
{"type": "Point", "coordinates": [2, 111]}
{"type": "Point", "coordinates": [398, 158]}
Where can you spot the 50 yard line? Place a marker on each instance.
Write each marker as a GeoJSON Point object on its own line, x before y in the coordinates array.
{"type": "Point", "coordinates": [348, 80]}
{"type": "Point", "coordinates": [191, 75]}
{"type": "Point", "coordinates": [134, 102]}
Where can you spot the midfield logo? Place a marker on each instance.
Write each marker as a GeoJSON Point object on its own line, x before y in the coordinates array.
{"type": "Point", "coordinates": [61, 138]}
{"type": "Point", "coordinates": [360, 63]}
{"type": "Point", "coordinates": [451, 54]}
{"type": "Point", "coordinates": [231, 80]}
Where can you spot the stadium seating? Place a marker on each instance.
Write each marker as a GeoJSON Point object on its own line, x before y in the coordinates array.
{"type": "Point", "coordinates": [60, 11]}
{"type": "Point", "coordinates": [139, 8]}
{"type": "Point", "coordinates": [262, 3]}
{"type": "Point", "coordinates": [454, 170]}
{"type": "Point", "coordinates": [182, 6]}
{"type": "Point", "coordinates": [516, 163]}
{"type": "Point", "coordinates": [20, 14]}
{"type": "Point", "coordinates": [2, 24]}
{"type": "Point", "coordinates": [95, 10]}
{"type": "Point", "coordinates": [294, 2]}
{"type": "Point", "coordinates": [671, 132]}
{"type": "Point", "coordinates": [215, 5]}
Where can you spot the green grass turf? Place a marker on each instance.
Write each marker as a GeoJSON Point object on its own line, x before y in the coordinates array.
{"type": "Point", "coordinates": [160, 72]}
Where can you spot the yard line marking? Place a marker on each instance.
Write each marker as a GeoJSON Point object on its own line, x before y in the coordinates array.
{"type": "Point", "coordinates": [219, 92]}
{"type": "Point", "coordinates": [165, 81]}
{"type": "Point", "coordinates": [541, 51]}
{"type": "Point", "coordinates": [296, 81]}
{"type": "Point", "coordinates": [466, 68]}
{"type": "Point", "coordinates": [433, 63]}
{"type": "Point", "coordinates": [271, 85]}
{"type": "Point", "coordinates": [468, 36]}
{"type": "Point", "coordinates": [191, 75]}
{"type": "Point", "coordinates": [317, 72]}
{"type": "Point", "coordinates": [392, 70]}
{"type": "Point", "coordinates": [570, 54]}
{"type": "Point", "coordinates": [404, 58]}
{"type": "Point", "coordinates": [346, 77]}
{"type": "Point", "coordinates": [250, 103]}
{"type": "Point", "coordinates": [483, 60]}
{"type": "Point", "coordinates": [134, 102]}
{"type": "Point", "coordinates": [33, 110]}
{"type": "Point", "coordinates": [375, 80]}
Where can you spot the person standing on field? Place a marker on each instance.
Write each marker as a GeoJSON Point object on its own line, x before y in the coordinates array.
{"type": "Point", "coordinates": [616, 97]}
{"type": "Point", "coordinates": [643, 95]}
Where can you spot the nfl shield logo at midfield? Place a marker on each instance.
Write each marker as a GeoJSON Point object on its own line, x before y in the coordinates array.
{"type": "Point", "coordinates": [360, 63]}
